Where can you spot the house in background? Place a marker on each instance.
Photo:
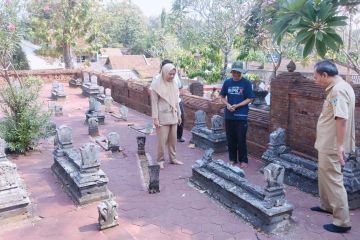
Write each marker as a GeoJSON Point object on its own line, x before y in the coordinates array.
{"type": "Point", "coordinates": [136, 67]}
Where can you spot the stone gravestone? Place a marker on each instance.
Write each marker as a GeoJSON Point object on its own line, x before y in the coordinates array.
{"type": "Point", "coordinates": [14, 199]}
{"type": "Point", "coordinates": [205, 138]}
{"type": "Point", "coordinates": [95, 111]}
{"type": "Point", "coordinates": [108, 216]}
{"type": "Point", "coordinates": [93, 127]}
{"type": "Point", "coordinates": [92, 88]}
{"type": "Point", "coordinates": [141, 144]}
{"type": "Point", "coordinates": [113, 139]}
{"type": "Point", "coordinates": [108, 101]}
{"type": "Point", "coordinates": [101, 96]}
{"type": "Point", "coordinates": [200, 119]}
{"type": "Point", "coordinates": [57, 91]}
{"type": "Point", "coordinates": [63, 138]}
{"type": "Point", "coordinates": [124, 112]}
{"type": "Point", "coordinates": [89, 158]}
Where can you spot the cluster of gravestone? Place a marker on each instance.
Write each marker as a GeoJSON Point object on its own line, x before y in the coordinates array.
{"type": "Point", "coordinates": [206, 138]}
{"type": "Point", "coordinates": [302, 173]}
{"type": "Point", "coordinates": [57, 93]}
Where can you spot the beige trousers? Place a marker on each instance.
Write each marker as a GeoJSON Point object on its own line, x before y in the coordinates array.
{"type": "Point", "coordinates": [333, 196]}
{"type": "Point", "coordinates": [166, 136]}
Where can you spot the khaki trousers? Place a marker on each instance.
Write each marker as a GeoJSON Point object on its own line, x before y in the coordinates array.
{"type": "Point", "coordinates": [333, 196]}
{"type": "Point", "coordinates": [166, 136]}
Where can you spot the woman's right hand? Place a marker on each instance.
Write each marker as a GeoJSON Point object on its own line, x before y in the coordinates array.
{"type": "Point", "coordinates": [156, 122]}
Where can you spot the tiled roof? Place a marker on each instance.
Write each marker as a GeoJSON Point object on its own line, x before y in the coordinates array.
{"type": "Point", "coordinates": [126, 61]}
{"type": "Point", "coordinates": [111, 51]}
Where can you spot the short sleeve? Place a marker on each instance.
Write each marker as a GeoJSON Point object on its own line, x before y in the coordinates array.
{"type": "Point", "coordinates": [223, 91]}
{"type": "Point", "coordinates": [340, 104]}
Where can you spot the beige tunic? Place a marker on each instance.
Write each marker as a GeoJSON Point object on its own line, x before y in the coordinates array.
{"type": "Point", "coordinates": [162, 110]}
{"type": "Point", "coordinates": [339, 102]}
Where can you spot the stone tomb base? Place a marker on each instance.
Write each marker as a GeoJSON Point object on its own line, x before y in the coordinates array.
{"type": "Point", "coordinates": [82, 187]}
{"type": "Point", "coordinates": [228, 185]}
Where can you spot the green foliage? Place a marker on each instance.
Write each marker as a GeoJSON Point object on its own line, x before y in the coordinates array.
{"type": "Point", "coordinates": [10, 32]}
{"type": "Point", "coordinates": [19, 60]}
{"type": "Point", "coordinates": [253, 77]}
{"type": "Point", "coordinates": [313, 22]}
{"type": "Point", "coordinates": [25, 123]}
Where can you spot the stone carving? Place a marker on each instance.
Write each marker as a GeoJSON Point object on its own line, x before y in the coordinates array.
{"type": "Point", "coordinates": [291, 67]}
{"type": "Point", "coordinates": [95, 111]}
{"type": "Point", "coordinates": [141, 144]}
{"type": "Point", "coordinates": [14, 199]}
{"type": "Point", "coordinates": [217, 124]}
{"type": "Point", "coordinates": [113, 141]}
{"type": "Point", "coordinates": [108, 216]}
{"type": "Point", "coordinates": [93, 125]}
{"type": "Point", "coordinates": [265, 208]}
{"type": "Point", "coordinates": [80, 174]}
{"type": "Point", "coordinates": [101, 90]}
{"type": "Point", "coordinates": [208, 154]}
{"type": "Point", "coordinates": [274, 193]}
{"type": "Point", "coordinates": [205, 138]}
{"type": "Point", "coordinates": [90, 88]}
{"type": "Point", "coordinates": [108, 101]}
{"type": "Point", "coordinates": [57, 91]}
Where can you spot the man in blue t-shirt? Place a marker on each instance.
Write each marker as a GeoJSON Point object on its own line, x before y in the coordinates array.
{"type": "Point", "coordinates": [237, 93]}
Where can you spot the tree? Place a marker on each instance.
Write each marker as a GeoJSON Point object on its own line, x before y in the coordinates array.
{"type": "Point", "coordinates": [314, 23]}
{"type": "Point", "coordinates": [66, 22]}
{"type": "Point", "coordinates": [222, 21]}
{"type": "Point", "coordinates": [24, 123]}
{"type": "Point", "coordinates": [127, 26]}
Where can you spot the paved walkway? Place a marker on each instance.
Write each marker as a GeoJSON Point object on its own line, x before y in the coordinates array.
{"type": "Point", "coordinates": [177, 212]}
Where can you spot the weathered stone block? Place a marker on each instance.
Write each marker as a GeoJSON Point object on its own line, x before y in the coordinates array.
{"type": "Point", "coordinates": [205, 138]}
{"type": "Point", "coordinates": [108, 216]}
{"type": "Point", "coordinates": [264, 208]}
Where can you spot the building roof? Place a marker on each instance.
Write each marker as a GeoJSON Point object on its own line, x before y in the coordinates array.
{"type": "Point", "coordinates": [125, 61]}
{"type": "Point", "coordinates": [111, 51]}
{"type": "Point", "coordinates": [148, 71]}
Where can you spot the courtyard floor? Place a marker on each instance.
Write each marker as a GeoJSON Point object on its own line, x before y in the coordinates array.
{"type": "Point", "coordinates": [178, 212]}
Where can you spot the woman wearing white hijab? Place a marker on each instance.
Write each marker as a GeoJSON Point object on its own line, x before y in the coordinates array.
{"type": "Point", "coordinates": [166, 112]}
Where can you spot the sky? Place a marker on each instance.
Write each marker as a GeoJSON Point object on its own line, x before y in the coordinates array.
{"type": "Point", "coordinates": [153, 7]}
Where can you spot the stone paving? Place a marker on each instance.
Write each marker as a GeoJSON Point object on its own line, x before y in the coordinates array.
{"type": "Point", "coordinates": [177, 212]}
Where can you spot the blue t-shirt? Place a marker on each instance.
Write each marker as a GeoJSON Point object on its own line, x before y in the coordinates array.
{"type": "Point", "coordinates": [236, 92]}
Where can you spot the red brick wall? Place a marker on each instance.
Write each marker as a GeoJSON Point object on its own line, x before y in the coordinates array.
{"type": "Point", "coordinates": [295, 105]}
{"type": "Point", "coordinates": [48, 76]}
{"type": "Point", "coordinates": [137, 97]}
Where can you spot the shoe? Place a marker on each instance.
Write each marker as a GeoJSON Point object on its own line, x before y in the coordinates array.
{"type": "Point", "coordinates": [181, 140]}
{"type": "Point", "coordinates": [161, 164]}
{"type": "Point", "coordinates": [319, 209]}
{"type": "Point", "coordinates": [336, 229]}
{"type": "Point", "coordinates": [176, 162]}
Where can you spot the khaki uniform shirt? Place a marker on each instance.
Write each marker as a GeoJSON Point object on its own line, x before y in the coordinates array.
{"type": "Point", "coordinates": [339, 102]}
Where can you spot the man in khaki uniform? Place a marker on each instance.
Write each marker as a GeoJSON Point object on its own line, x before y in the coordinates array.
{"type": "Point", "coordinates": [335, 137]}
